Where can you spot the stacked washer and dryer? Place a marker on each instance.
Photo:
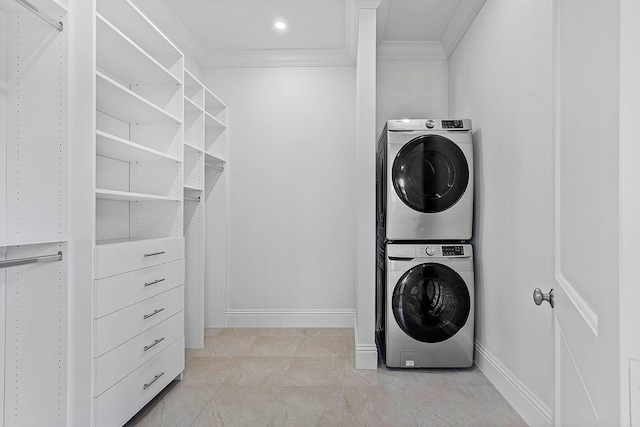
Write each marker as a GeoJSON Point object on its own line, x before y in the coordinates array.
{"type": "Point", "coordinates": [425, 276]}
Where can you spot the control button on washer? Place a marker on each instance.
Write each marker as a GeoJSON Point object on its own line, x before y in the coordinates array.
{"type": "Point", "coordinates": [430, 250]}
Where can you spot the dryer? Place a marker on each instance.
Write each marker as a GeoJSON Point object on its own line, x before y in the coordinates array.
{"type": "Point", "coordinates": [425, 180]}
{"type": "Point", "coordinates": [428, 314]}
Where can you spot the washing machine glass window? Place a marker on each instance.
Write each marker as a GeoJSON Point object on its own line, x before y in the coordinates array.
{"type": "Point", "coordinates": [431, 302]}
{"type": "Point", "coordinates": [430, 173]}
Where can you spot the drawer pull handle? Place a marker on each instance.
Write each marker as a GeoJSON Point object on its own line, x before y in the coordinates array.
{"type": "Point", "coordinates": [153, 254]}
{"type": "Point", "coordinates": [146, 316]}
{"type": "Point", "coordinates": [155, 343]}
{"type": "Point", "coordinates": [150, 383]}
{"type": "Point", "coordinates": [153, 283]}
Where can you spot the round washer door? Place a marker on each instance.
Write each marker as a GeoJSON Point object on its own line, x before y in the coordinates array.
{"type": "Point", "coordinates": [431, 302]}
{"type": "Point", "coordinates": [430, 173]}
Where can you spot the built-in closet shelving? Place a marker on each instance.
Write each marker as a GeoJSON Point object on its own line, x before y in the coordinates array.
{"type": "Point", "coordinates": [204, 148]}
{"type": "Point", "coordinates": [138, 342]}
{"type": "Point", "coordinates": [33, 213]}
{"type": "Point", "coordinates": [160, 155]}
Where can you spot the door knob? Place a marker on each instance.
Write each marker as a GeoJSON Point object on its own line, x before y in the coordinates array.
{"type": "Point", "coordinates": [538, 297]}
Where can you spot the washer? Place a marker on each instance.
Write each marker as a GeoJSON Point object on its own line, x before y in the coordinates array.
{"type": "Point", "coordinates": [425, 180]}
{"type": "Point", "coordinates": [428, 318]}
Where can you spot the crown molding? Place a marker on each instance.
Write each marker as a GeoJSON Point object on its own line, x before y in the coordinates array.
{"type": "Point", "coordinates": [181, 35]}
{"type": "Point", "coordinates": [460, 23]}
{"type": "Point", "coordinates": [410, 50]}
{"type": "Point", "coordinates": [368, 4]}
{"type": "Point", "coordinates": [382, 16]}
{"type": "Point", "coordinates": [276, 58]}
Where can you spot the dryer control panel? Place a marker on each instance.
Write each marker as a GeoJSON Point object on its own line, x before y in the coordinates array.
{"type": "Point", "coordinates": [444, 250]}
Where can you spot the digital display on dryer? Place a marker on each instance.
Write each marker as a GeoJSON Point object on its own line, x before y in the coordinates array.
{"type": "Point", "coordinates": [452, 124]}
{"type": "Point", "coordinates": [452, 250]}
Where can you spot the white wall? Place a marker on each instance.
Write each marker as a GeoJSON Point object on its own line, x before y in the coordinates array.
{"type": "Point", "coordinates": [500, 76]}
{"type": "Point", "coordinates": [410, 89]}
{"type": "Point", "coordinates": [291, 193]}
{"type": "Point", "coordinates": [629, 212]}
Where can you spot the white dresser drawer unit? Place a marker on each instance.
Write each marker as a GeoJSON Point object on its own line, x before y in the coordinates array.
{"type": "Point", "coordinates": [117, 258]}
{"type": "Point", "coordinates": [112, 366]}
{"type": "Point", "coordinates": [118, 404]}
{"type": "Point", "coordinates": [122, 290]}
{"type": "Point", "coordinates": [116, 328]}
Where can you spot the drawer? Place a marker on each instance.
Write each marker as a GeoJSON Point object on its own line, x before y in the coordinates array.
{"type": "Point", "coordinates": [117, 258]}
{"type": "Point", "coordinates": [116, 364]}
{"type": "Point", "coordinates": [116, 328]}
{"type": "Point", "coordinates": [117, 405]}
{"type": "Point", "coordinates": [115, 292]}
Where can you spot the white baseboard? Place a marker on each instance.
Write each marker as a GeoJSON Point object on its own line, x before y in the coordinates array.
{"type": "Point", "coordinates": [289, 318]}
{"type": "Point", "coordinates": [526, 403]}
{"type": "Point", "coordinates": [366, 353]}
{"type": "Point", "coordinates": [366, 356]}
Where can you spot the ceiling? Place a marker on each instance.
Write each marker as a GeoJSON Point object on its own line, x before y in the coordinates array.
{"type": "Point", "coordinates": [240, 33]}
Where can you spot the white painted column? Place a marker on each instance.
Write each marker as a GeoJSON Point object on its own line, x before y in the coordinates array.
{"type": "Point", "coordinates": [365, 256]}
{"type": "Point", "coordinates": [82, 157]}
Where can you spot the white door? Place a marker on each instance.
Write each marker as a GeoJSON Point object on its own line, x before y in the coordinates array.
{"type": "Point", "coordinates": [586, 220]}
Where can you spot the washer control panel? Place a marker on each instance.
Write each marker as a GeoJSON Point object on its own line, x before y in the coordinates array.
{"type": "Point", "coordinates": [442, 251]}
{"type": "Point", "coordinates": [436, 250]}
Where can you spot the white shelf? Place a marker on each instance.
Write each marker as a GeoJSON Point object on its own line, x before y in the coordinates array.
{"type": "Point", "coordinates": [118, 148]}
{"type": "Point", "coordinates": [191, 81]}
{"type": "Point", "coordinates": [117, 101]}
{"type": "Point", "coordinates": [212, 102]}
{"type": "Point", "coordinates": [213, 161]}
{"type": "Point", "coordinates": [191, 107]}
{"type": "Point", "coordinates": [189, 188]}
{"type": "Point", "coordinates": [122, 57]}
{"type": "Point", "coordinates": [125, 240]}
{"type": "Point", "coordinates": [48, 6]}
{"type": "Point", "coordinates": [192, 147]}
{"type": "Point", "coordinates": [23, 241]}
{"type": "Point", "coordinates": [212, 122]}
{"type": "Point", "coordinates": [125, 196]}
{"type": "Point", "coordinates": [129, 19]}
{"type": "Point", "coordinates": [193, 90]}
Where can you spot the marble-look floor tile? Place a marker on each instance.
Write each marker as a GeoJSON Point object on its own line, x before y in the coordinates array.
{"type": "Point", "coordinates": [308, 406]}
{"type": "Point", "coordinates": [306, 377]}
{"type": "Point", "coordinates": [206, 370]}
{"type": "Point", "coordinates": [273, 346]}
{"type": "Point", "coordinates": [326, 332]}
{"type": "Point", "coordinates": [319, 346]}
{"type": "Point", "coordinates": [308, 371]}
{"type": "Point", "coordinates": [384, 376]}
{"type": "Point", "coordinates": [221, 345]}
{"type": "Point", "coordinates": [473, 376]}
{"type": "Point", "coordinates": [377, 406]}
{"type": "Point", "coordinates": [177, 408]}
{"type": "Point", "coordinates": [462, 406]}
{"type": "Point", "coordinates": [257, 371]}
{"type": "Point", "coordinates": [239, 406]}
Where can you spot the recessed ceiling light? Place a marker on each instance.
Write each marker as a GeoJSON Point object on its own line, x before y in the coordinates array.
{"type": "Point", "coordinates": [280, 25]}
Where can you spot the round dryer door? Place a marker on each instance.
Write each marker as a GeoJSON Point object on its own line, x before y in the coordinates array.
{"type": "Point", "coordinates": [431, 302]}
{"type": "Point", "coordinates": [430, 173]}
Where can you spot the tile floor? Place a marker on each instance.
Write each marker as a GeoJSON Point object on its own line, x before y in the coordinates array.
{"type": "Point", "coordinates": [306, 377]}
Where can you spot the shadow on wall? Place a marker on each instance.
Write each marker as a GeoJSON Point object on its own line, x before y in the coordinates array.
{"type": "Point", "coordinates": [478, 219]}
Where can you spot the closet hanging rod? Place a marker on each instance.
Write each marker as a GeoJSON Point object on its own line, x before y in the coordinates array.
{"type": "Point", "coordinates": [56, 24]}
{"type": "Point", "coordinates": [192, 199]}
{"type": "Point", "coordinates": [31, 260]}
{"type": "Point", "coordinates": [211, 165]}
